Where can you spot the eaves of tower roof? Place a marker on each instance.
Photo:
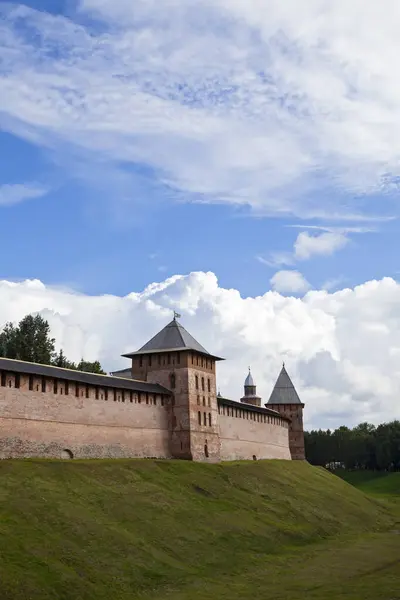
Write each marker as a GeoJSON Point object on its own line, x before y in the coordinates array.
{"type": "Point", "coordinates": [172, 338]}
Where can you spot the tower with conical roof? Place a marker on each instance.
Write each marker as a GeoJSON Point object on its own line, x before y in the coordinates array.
{"type": "Point", "coordinates": [250, 391]}
{"type": "Point", "coordinates": [175, 360]}
{"type": "Point", "coordinates": [285, 400]}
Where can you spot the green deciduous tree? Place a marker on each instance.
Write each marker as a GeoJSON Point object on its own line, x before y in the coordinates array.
{"type": "Point", "coordinates": [90, 367]}
{"type": "Point", "coordinates": [31, 341]}
{"type": "Point", "coordinates": [363, 447]}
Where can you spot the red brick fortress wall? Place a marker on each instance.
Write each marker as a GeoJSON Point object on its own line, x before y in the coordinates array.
{"type": "Point", "coordinates": [46, 424]}
{"type": "Point", "coordinates": [296, 430]}
{"type": "Point", "coordinates": [245, 435]}
{"type": "Point", "coordinates": [193, 412]}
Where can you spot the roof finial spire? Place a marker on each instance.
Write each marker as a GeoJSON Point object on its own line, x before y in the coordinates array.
{"type": "Point", "coordinates": [176, 315]}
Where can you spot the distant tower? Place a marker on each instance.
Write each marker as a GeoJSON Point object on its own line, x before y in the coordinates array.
{"type": "Point", "coordinates": [250, 391]}
{"type": "Point", "coordinates": [285, 400]}
{"type": "Point", "coordinates": [175, 360]}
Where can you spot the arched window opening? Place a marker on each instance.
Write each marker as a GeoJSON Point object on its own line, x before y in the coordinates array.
{"type": "Point", "coordinates": [172, 379]}
{"type": "Point", "coordinates": [67, 454]}
{"type": "Point", "coordinates": [204, 418]}
{"type": "Point", "coordinates": [202, 383]}
{"type": "Point", "coordinates": [197, 382]}
{"type": "Point", "coordinates": [199, 417]}
{"type": "Point", "coordinates": [206, 454]}
{"type": "Point", "coordinates": [209, 419]}
{"type": "Point", "coordinates": [209, 385]}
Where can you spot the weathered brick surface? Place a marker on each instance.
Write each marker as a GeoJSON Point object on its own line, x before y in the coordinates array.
{"type": "Point", "coordinates": [189, 438]}
{"type": "Point", "coordinates": [296, 432]}
{"type": "Point", "coordinates": [34, 423]}
{"type": "Point", "coordinates": [242, 439]}
{"type": "Point", "coordinates": [23, 438]}
{"type": "Point", "coordinates": [187, 425]}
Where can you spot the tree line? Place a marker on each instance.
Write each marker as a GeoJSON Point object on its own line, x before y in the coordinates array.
{"type": "Point", "coordinates": [363, 447]}
{"type": "Point", "coordinates": [30, 340]}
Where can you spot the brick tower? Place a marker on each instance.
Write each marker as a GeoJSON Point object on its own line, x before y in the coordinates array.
{"type": "Point", "coordinates": [175, 360]}
{"type": "Point", "coordinates": [250, 391]}
{"type": "Point", "coordinates": [285, 400]}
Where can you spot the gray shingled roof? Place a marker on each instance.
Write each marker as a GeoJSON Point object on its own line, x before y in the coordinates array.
{"type": "Point", "coordinates": [172, 337]}
{"type": "Point", "coordinates": [284, 391]}
{"type": "Point", "coordinates": [125, 373]}
{"type": "Point", "coordinates": [250, 407]}
{"type": "Point", "coordinates": [28, 368]}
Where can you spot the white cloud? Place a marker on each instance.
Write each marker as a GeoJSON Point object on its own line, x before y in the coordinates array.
{"type": "Point", "coordinates": [289, 281]}
{"type": "Point", "coordinates": [15, 193]}
{"type": "Point", "coordinates": [305, 247]}
{"type": "Point", "coordinates": [324, 244]}
{"type": "Point", "coordinates": [341, 349]}
{"type": "Point", "coordinates": [290, 111]}
{"type": "Point", "coordinates": [276, 259]}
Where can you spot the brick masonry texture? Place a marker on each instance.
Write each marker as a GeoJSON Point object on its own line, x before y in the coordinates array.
{"type": "Point", "coordinates": [190, 423]}
{"type": "Point", "coordinates": [242, 439]}
{"type": "Point", "coordinates": [294, 412]}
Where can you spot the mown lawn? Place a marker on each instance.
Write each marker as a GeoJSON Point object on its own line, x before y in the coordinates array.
{"type": "Point", "coordinates": [169, 529]}
{"type": "Point", "coordinates": [379, 483]}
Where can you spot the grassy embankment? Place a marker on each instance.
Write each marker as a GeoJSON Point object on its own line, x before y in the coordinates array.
{"type": "Point", "coordinates": [376, 483]}
{"type": "Point", "coordinates": [121, 530]}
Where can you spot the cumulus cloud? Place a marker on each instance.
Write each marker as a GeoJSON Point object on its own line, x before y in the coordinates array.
{"type": "Point", "coordinates": [289, 281]}
{"type": "Point", "coordinates": [11, 194]}
{"type": "Point", "coordinates": [293, 110]}
{"type": "Point", "coordinates": [342, 349]}
{"type": "Point", "coordinates": [324, 244]}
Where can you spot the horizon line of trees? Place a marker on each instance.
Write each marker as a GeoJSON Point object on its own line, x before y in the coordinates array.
{"type": "Point", "coordinates": [30, 340]}
{"type": "Point", "coordinates": [363, 447]}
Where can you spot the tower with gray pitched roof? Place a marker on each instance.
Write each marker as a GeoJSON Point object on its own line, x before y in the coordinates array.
{"type": "Point", "coordinates": [173, 356]}
{"type": "Point", "coordinates": [250, 391]}
{"type": "Point", "coordinates": [285, 400]}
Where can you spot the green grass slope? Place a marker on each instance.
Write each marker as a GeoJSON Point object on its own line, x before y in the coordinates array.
{"type": "Point", "coordinates": [373, 482]}
{"type": "Point", "coordinates": [166, 529]}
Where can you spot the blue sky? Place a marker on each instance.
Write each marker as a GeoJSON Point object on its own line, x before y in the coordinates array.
{"type": "Point", "coordinates": [137, 146]}
{"type": "Point", "coordinates": [256, 153]}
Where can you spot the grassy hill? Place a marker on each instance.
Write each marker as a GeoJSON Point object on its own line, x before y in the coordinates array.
{"type": "Point", "coordinates": [177, 530]}
{"type": "Point", "coordinates": [373, 482]}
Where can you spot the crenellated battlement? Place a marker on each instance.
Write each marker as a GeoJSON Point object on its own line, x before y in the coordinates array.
{"type": "Point", "coordinates": [167, 408]}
